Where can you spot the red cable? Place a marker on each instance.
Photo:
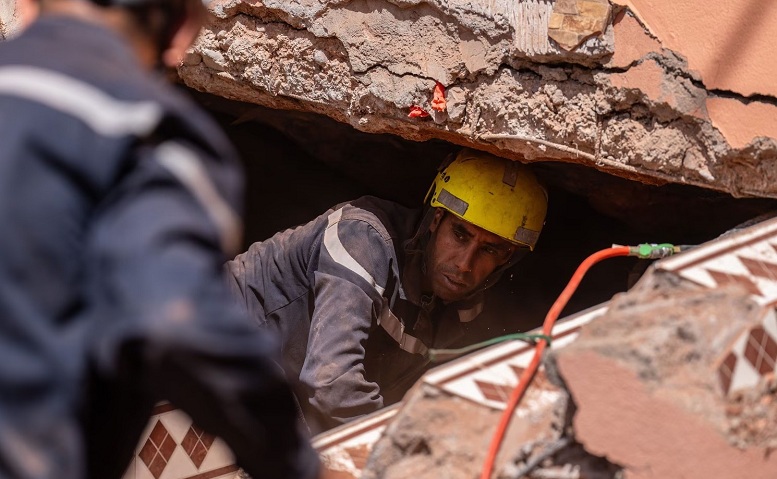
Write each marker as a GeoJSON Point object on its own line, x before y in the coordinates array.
{"type": "Point", "coordinates": [531, 370]}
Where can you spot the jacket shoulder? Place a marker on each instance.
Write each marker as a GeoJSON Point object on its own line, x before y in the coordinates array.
{"type": "Point", "coordinates": [393, 221]}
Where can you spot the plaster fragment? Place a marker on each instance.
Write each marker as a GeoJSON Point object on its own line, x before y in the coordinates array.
{"type": "Point", "coordinates": [214, 60]}
{"type": "Point", "coordinates": [742, 122]}
{"type": "Point", "coordinates": [632, 41]}
{"type": "Point", "coordinates": [439, 117]}
{"type": "Point", "coordinates": [192, 58]}
{"type": "Point", "coordinates": [320, 57]}
{"type": "Point", "coordinates": [572, 21]}
{"type": "Point", "coordinates": [456, 103]}
{"type": "Point", "coordinates": [669, 94]}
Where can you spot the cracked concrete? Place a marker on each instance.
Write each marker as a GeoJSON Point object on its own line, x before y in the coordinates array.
{"type": "Point", "coordinates": [621, 102]}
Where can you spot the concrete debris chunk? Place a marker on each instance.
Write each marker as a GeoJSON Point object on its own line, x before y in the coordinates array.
{"type": "Point", "coordinates": [9, 20]}
{"type": "Point", "coordinates": [437, 434]}
{"type": "Point", "coordinates": [647, 385]}
{"type": "Point", "coordinates": [572, 21]}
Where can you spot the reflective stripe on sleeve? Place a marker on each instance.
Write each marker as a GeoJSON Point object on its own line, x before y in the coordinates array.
{"type": "Point", "coordinates": [396, 329]}
{"type": "Point", "coordinates": [339, 254]}
{"type": "Point", "coordinates": [104, 114]}
{"type": "Point", "coordinates": [188, 168]}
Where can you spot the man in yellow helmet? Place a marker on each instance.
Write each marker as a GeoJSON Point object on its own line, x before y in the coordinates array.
{"type": "Point", "coordinates": [360, 294]}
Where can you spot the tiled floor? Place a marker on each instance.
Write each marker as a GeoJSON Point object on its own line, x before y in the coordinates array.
{"type": "Point", "coordinates": [172, 447]}
{"type": "Point", "coordinates": [748, 258]}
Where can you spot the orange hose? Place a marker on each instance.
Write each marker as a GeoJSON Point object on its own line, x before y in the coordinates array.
{"type": "Point", "coordinates": [547, 328]}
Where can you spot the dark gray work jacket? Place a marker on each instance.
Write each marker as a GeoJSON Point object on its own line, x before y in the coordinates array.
{"type": "Point", "coordinates": [343, 294]}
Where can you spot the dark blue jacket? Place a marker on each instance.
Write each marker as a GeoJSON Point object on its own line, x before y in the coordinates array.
{"type": "Point", "coordinates": [117, 204]}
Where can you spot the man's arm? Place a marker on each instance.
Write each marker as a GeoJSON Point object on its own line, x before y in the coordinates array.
{"type": "Point", "coordinates": [354, 265]}
{"type": "Point", "coordinates": [165, 321]}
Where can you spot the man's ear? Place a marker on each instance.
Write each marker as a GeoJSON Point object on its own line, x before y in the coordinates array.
{"type": "Point", "coordinates": [509, 256]}
{"type": "Point", "coordinates": [438, 215]}
{"type": "Point", "coordinates": [518, 253]}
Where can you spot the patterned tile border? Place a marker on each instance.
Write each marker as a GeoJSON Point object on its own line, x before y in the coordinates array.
{"type": "Point", "coordinates": [488, 377]}
{"type": "Point", "coordinates": [345, 449]}
{"type": "Point", "coordinates": [172, 447]}
{"type": "Point", "coordinates": [752, 356]}
{"type": "Point", "coordinates": [748, 257]}
{"type": "Point", "coordinates": [485, 377]}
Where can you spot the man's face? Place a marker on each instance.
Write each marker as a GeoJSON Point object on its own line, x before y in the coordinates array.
{"type": "Point", "coordinates": [460, 256]}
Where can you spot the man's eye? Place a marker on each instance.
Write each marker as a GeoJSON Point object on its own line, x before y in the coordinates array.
{"type": "Point", "coordinates": [458, 234]}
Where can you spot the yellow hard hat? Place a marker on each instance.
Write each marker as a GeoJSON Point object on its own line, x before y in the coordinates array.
{"type": "Point", "coordinates": [496, 194]}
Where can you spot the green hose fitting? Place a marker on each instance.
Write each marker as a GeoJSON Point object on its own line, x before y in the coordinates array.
{"type": "Point", "coordinates": [653, 251]}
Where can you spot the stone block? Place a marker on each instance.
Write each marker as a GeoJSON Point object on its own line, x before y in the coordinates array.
{"type": "Point", "coordinates": [572, 21]}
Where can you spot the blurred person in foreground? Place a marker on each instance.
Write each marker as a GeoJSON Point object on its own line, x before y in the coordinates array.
{"type": "Point", "coordinates": [117, 206]}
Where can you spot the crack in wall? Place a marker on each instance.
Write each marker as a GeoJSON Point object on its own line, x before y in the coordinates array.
{"type": "Point", "coordinates": [746, 99]}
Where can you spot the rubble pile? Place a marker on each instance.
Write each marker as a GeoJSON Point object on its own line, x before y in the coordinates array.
{"type": "Point", "coordinates": [649, 389]}
{"type": "Point", "coordinates": [437, 433]}
{"type": "Point", "coordinates": [645, 380]}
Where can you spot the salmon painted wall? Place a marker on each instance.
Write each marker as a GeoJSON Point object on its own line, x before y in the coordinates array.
{"type": "Point", "coordinates": [731, 45]}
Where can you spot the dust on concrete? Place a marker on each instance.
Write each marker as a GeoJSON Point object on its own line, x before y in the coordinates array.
{"type": "Point", "coordinates": [437, 434]}
{"type": "Point", "coordinates": [751, 416]}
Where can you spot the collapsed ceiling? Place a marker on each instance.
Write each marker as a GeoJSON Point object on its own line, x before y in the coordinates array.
{"type": "Point", "coordinates": [575, 81]}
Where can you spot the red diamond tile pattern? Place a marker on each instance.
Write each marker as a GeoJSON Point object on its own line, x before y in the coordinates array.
{"type": "Point", "coordinates": [494, 392]}
{"type": "Point", "coordinates": [501, 393]}
{"type": "Point", "coordinates": [359, 455]}
{"type": "Point", "coordinates": [157, 450]}
{"type": "Point", "coordinates": [760, 269]}
{"type": "Point", "coordinates": [517, 370]}
{"type": "Point", "coordinates": [726, 372]}
{"type": "Point", "coordinates": [723, 279]}
{"type": "Point", "coordinates": [197, 443]}
{"type": "Point", "coordinates": [761, 350]}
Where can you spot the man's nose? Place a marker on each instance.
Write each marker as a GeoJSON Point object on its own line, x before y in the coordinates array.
{"type": "Point", "coordinates": [466, 258]}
